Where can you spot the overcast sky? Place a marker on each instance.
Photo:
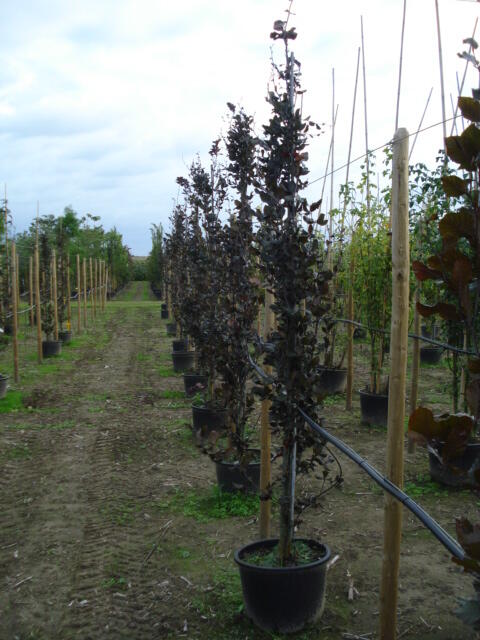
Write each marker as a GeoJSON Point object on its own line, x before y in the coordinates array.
{"type": "Point", "coordinates": [104, 102]}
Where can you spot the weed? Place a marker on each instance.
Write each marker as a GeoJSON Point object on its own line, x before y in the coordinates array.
{"type": "Point", "coordinates": [122, 512]}
{"type": "Point", "coordinates": [422, 485]}
{"type": "Point", "coordinates": [337, 398]}
{"type": "Point", "coordinates": [143, 357]}
{"type": "Point", "coordinates": [167, 372]}
{"type": "Point", "coordinates": [115, 583]}
{"type": "Point", "coordinates": [18, 452]}
{"type": "Point", "coordinates": [12, 402]}
{"type": "Point", "coordinates": [214, 505]}
{"type": "Point", "coordinates": [172, 394]}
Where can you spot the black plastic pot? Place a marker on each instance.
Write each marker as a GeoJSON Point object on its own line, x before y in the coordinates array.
{"type": "Point", "coordinates": [51, 348]}
{"type": "Point", "coordinates": [180, 345]}
{"type": "Point", "coordinates": [430, 355]}
{"type": "Point", "coordinates": [172, 329]}
{"type": "Point", "coordinates": [232, 476]}
{"type": "Point", "coordinates": [333, 380]}
{"type": "Point", "coordinates": [283, 599]}
{"type": "Point", "coordinates": [359, 333]}
{"type": "Point", "coordinates": [374, 408]}
{"type": "Point", "coordinates": [193, 383]}
{"type": "Point", "coordinates": [65, 336]}
{"type": "Point", "coordinates": [206, 419]}
{"type": "Point", "coordinates": [183, 360]}
{"type": "Point", "coordinates": [455, 474]}
{"type": "Point", "coordinates": [3, 386]}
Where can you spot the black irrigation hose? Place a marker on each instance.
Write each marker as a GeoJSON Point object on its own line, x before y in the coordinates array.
{"type": "Point", "coordinates": [442, 536]}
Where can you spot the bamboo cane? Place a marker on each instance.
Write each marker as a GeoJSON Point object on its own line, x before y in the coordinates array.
{"type": "Point", "coordinates": [55, 295]}
{"type": "Point", "coordinates": [396, 403]}
{"type": "Point", "coordinates": [30, 292]}
{"type": "Point", "coordinates": [85, 292]}
{"type": "Point", "coordinates": [442, 85]}
{"type": "Point", "coordinates": [349, 390]}
{"type": "Point", "coordinates": [367, 159]}
{"type": "Point", "coordinates": [265, 435]}
{"type": "Point", "coordinates": [14, 285]}
{"type": "Point", "coordinates": [79, 298]}
{"type": "Point", "coordinates": [69, 295]}
{"type": "Point", "coordinates": [400, 64]}
{"type": "Point", "coordinates": [415, 365]}
{"type": "Point", "coordinates": [38, 304]}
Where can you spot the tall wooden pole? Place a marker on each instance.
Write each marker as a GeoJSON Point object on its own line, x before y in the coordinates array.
{"type": "Point", "coordinates": [442, 85]}
{"type": "Point", "coordinates": [17, 286]}
{"type": "Point", "coordinates": [69, 295]}
{"type": "Point", "coordinates": [105, 298]}
{"type": "Point", "coordinates": [38, 303]}
{"type": "Point", "coordinates": [14, 286]}
{"type": "Point", "coordinates": [265, 435]}
{"type": "Point", "coordinates": [398, 370]}
{"type": "Point", "coordinates": [332, 164]}
{"type": "Point", "coordinates": [367, 159]}
{"type": "Point", "coordinates": [30, 292]}
{"type": "Point", "coordinates": [85, 293]}
{"type": "Point", "coordinates": [79, 297]}
{"type": "Point", "coordinates": [400, 64]}
{"type": "Point", "coordinates": [95, 289]}
{"type": "Point", "coordinates": [55, 295]}
{"type": "Point", "coordinates": [92, 293]}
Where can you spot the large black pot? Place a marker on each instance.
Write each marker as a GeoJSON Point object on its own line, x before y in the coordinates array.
{"type": "Point", "coordinates": [3, 386]}
{"type": "Point", "coordinates": [172, 329]}
{"type": "Point", "coordinates": [205, 420]}
{"type": "Point", "coordinates": [180, 345]}
{"type": "Point", "coordinates": [333, 380]}
{"type": "Point", "coordinates": [193, 383]}
{"type": "Point", "coordinates": [430, 355]}
{"type": "Point", "coordinates": [374, 408]}
{"type": "Point", "coordinates": [233, 476]}
{"type": "Point", "coordinates": [51, 348]}
{"type": "Point", "coordinates": [65, 336]}
{"type": "Point", "coordinates": [283, 599]}
{"type": "Point", "coordinates": [183, 360]}
{"type": "Point", "coordinates": [455, 474]}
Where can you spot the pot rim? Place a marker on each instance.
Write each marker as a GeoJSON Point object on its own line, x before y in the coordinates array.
{"type": "Point", "coordinates": [236, 463]}
{"type": "Point", "coordinates": [204, 408]}
{"type": "Point", "coordinates": [324, 368]}
{"type": "Point", "coordinates": [51, 342]}
{"type": "Point", "coordinates": [371, 394]}
{"type": "Point", "coordinates": [4, 377]}
{"type": "Point", "coordinates": [431, 347]}
{"type": "Point", "coordinates": [183, 353]}
{"type": "Point", "coordinates": [270, 542]}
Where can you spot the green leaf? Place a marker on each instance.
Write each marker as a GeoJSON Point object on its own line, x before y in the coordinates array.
{"type": "Point", "coordinates": [470, 108]}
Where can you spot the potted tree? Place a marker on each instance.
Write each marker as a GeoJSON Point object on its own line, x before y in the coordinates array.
{"type": "Point", "coordinates": [237, 463]}
{"type": "Point", "coordinates": [50, 346]}
{"type": "Point", "coordinates": [371, 244]}
{"type": "Point", "coordinates": [454, 452]}
{"type": "Point", "coordinates": [283, 579]}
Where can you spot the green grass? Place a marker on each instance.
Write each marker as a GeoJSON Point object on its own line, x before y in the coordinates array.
{"type": "Point", "coordinates": [172, 394]}
{"type": "Point", "coordinates": [422, 485]}
{"type": "Point", "coordinates": [167, 372]}
{"type": "Point", "coordinates": [12, 402]}
{"type": "Point", "coordinates": [214, 505]}
{"type": "Point", "coordinates": [18, 452]}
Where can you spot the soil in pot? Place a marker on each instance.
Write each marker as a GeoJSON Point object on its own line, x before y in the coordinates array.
{"type": "Point", "coordinates": [374, 408]}
{"type": "Point", "coordinates": [180, 345]}
{"type": "Point", "coordinates": [456, 473]}
{"type": "Point", "coordinates": [51, 348]}
{"type": "Point", "coordinates": [283, 599]}
{"type": "Point", "coordinates": [183, 360]}
{"type": "Point", "coordinates": [430, 355]}
{"type": "Point", "coordinates": [333, 380]}
{"type": "Point", "coordinates": [3, 386]}
{"type": "Point", "coordinates": [208, 419]}
{"type": "Point", "coordinates": [234, 476]}
{"type": "Point", "coordinates": [194, 383]}
{"type": "Point", "coordinates": [65, 336]}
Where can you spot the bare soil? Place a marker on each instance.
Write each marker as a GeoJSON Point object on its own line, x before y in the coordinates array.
{"type": "Point", "coordinates": [106, 530]}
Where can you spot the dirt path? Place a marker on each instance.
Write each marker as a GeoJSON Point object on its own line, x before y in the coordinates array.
{"type": "Point", "coordinates": [110, 527]}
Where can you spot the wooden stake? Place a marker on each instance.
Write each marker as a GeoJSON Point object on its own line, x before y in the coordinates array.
{"type": "Point", "coordinates": [95, 289]}
{"type": "Point", "coordinates": [398, 368]}
{"type": "Point", "coordinates": [332, 160]}
{"type": "Point", "coordinates": [92, 293]}
{"type": "Point", "coordinates": [442, 86]}
{"type": "Point", "coordinates": [69, 295]}
{"type": "Point", "coordinates": [350, 330]}
{"type": "Point", "coordinates": [14, 286]}
{"type": "Point", "coordinates": [400, 63]}
{"type": "Point", "coordinates": [79, 297]}
{"type": "Point", "coordinates": [105, 298]}
{"type": "Point", "coordinates": [265, 434]}
{"type": "Point", "coordinates": [85, 292]}
{"type": "Point", "coordinates": [54, 295]}
{"type": "Point", "coordinates": [38, 304]}
{"type": "Point", "coordinates": [415, 365]}
{"type": "Point", "coordinates": [30, 286]}
{"type": "Point", "coordinates": [17, 287]}
{"type": "Point", "coordinates": [367, 159]}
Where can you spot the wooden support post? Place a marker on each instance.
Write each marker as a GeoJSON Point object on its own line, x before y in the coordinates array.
{"type": "Point", "coordinates": [415, 365]}
{"type": "Point", "coordinates": [17, 287]}
{"type": "Point", "coordinates": [350, 330]}
{"type": "Point", "coordinates": [38, 304]}
{"type": "Point", "coordinates": [30, 292]}
{"type": "Point", "coordinates": [91, 295]}
{"type": "Point", "coordinates": [54, 295]}
{"type": "Point", "coordinates": [398, 368]}
{"type": "Point", "coordinates": [79, 297]}
{"type": "Point", "coordinates": [265, 434]}
{"type": "Point", "coordinates": [104, 281]}
{"type": "Point", "coordinates": [105, 296]}
{"type": "Point", "coordinates": [69, 295]}
{"type": "Point", "coordinates": [95, 289]}
{"type": "Point", "coordinates": [14, 286]}
{"type": "Point", "coordinates": [85, 293]}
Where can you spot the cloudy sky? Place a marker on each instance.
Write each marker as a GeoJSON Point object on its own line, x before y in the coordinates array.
{"type": "Point", "coordinates": [104, 102]}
